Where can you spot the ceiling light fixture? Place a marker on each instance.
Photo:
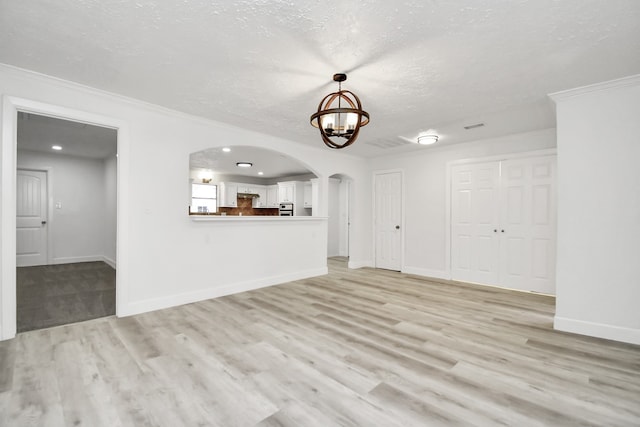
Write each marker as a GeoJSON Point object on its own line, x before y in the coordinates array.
{"type": "Point", "coordinates": [427, 139]}
{"type": "Point", "coordinates": [339, 121]}
{"type": "Point", "coordinates": [244, 164]}
{"type": "Point", "coordinates": [56, 147]}
{"type": "Point", "coordinates": [260, 173]}
{"type": "Point", "coordinates": [226, 149]}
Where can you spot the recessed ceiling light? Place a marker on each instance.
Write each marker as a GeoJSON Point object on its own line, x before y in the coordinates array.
{"type": "Point", "coordinates": [56, 147]}
{"type": "Point", "coordinates": [226, 149]}
{"type": "Point", "coordinates": [244, 164]}
{"type": "Point", "coordinates": [260, 173]}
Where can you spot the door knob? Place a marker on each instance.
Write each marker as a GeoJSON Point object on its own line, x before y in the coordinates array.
{"type": "Point", "coordinates": [44, 222]}
{"type": "Point", "coordinates": [495, 231]}
{"type": "Point", "coordinates": [397, 227]}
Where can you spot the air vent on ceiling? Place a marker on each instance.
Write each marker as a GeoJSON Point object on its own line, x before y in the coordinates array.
{"type": "Point", "coordinates": [477, 125]}
{"type": "Point", "coordinates": [388, 143]}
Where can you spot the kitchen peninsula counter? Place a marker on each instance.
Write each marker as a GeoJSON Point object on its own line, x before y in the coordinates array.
{"type": "Point", "coordinates": [253, 218]}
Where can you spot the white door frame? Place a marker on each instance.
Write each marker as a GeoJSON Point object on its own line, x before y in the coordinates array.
{"type": "Point", "coordinates": [535, 153]}
{"type": "Point", "coordinates": [8, 166]}
{"type": "Point", "coordinates": [347, 209]}
{"type": "Point", "coordinates": [373, 209]}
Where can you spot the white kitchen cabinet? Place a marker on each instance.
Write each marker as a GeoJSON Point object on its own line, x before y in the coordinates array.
{"type": "Point", "coordinates": [272, 196]}
{"type": "Point", "coordinates": [248, 188]}
{"type": "Point", "coordinates": [228, 194]}
{"type": "Point", "coordinates": [286, 192]}
{"type": "Point", "coordinates": [293, 192]}
{"type": "Point", "coordinates": [261, 200]}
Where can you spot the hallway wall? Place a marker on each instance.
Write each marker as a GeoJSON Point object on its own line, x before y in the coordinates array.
{"type": "Point", "coordinates": [78, 229]}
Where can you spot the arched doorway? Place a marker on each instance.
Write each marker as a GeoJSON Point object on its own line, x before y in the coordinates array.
{"type": "Point", "coordinates": [339, 201]}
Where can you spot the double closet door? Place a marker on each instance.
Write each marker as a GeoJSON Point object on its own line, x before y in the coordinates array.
{"type": "Point", "coordinates": [503, 223]}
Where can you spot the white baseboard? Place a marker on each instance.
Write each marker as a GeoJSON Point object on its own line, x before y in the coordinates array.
{"type": "Point", "coordinates": [435, 274]}
{"type": "Point", "coordinates": [598, 330]}
{"type": "Point", "coordinates": [359, 264]}
{"type": "Point", "coordinates": [70, 260]}
{"type": "Point", "coordinates": [90, 258]}
{"type": "Point", "coordinates": [219, 291]}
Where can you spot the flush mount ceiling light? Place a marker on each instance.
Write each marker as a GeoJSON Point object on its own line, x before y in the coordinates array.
{"type": "Point", "coordinates": [244, 164]}
{"type": "Point", "coordinates": [56, 147]}
{"type": "Point", "coordinates": [337, 121]}
{"type": "Point", "coordinates": [427, 139]}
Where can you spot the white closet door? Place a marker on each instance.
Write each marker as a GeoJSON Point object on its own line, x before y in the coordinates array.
{"type": "Point", "coordinates": [527, 224]}
{"type": "Point", "coordinates": [474, 222]}
{"type": "Point", "coordinates": [388, 217]}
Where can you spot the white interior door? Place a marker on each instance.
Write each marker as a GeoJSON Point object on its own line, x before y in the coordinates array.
{"type": "Point", "coordinates": [475, 239]}
{"type": "Point", "coordinates": [31, 218]}
{"type": "Point", "coordinates": [527, 225]}
{"type": "Point", "coordinates": [388, 219]}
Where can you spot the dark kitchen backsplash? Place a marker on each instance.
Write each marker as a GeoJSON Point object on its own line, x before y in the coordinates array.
{"type": "Point", "coordinates": [245, 207]}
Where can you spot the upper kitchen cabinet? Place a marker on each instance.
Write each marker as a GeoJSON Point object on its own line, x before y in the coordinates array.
{"type": "Point", "coordinates": [228, 194]}
{"type": "Point", "coordinates": [272, 196]}
{"type": "Point", "coordinates": [261, 200]}
{"type": "Point", "coordinates": [287, 192]}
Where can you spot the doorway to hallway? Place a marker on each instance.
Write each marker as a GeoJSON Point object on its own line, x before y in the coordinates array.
{"type": "Point", "coordinates": [65, 221]}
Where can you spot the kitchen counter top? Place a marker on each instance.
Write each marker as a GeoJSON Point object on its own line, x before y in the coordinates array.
{"type": "Point", "coordinates": [253, 218]}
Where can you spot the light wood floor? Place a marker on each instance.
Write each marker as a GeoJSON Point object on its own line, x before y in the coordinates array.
{"type": "Point", "coordinates": [354, 348]}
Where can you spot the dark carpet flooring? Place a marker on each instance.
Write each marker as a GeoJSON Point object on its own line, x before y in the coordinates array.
{"type": "Point", "coordinates": [52, 295]}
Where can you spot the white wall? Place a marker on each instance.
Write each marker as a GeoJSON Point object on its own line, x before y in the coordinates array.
{"type": "Point", "coordinates": [77, 230]}
{"type": "Point", "coordinates": [425, 209]}
{"type": "Point", "coordinates": [343, 249]}
{"type": "Point", "coordinates": [333, 244]}
{"type": "Point", "coordinates": [110, 166]}
{"type": "Point", "coordinates": [167, 257]}
{"type": "Point", "coordinates": [598, 269]}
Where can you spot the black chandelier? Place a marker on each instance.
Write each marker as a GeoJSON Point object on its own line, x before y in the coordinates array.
{"type": "Point", "coordinates": [338, 122]}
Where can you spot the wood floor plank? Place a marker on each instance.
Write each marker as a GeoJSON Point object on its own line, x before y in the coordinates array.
{"type": "Point", "coordinates": [7, 361]}
{"type": "Point", "coordinates": [35, 397]}
{"type": "Point", "coordinates": [351, 348]}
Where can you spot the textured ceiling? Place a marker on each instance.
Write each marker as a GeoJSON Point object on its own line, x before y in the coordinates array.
{"type": "Point", "coordinates": [264, 65]}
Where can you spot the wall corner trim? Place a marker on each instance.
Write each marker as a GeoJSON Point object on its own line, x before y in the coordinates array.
{"type": "Point", "coordinates": [598, 330]}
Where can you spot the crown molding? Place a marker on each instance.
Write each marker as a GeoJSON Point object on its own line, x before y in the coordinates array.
{"type": "Point", "coordinates": [628, 81]}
